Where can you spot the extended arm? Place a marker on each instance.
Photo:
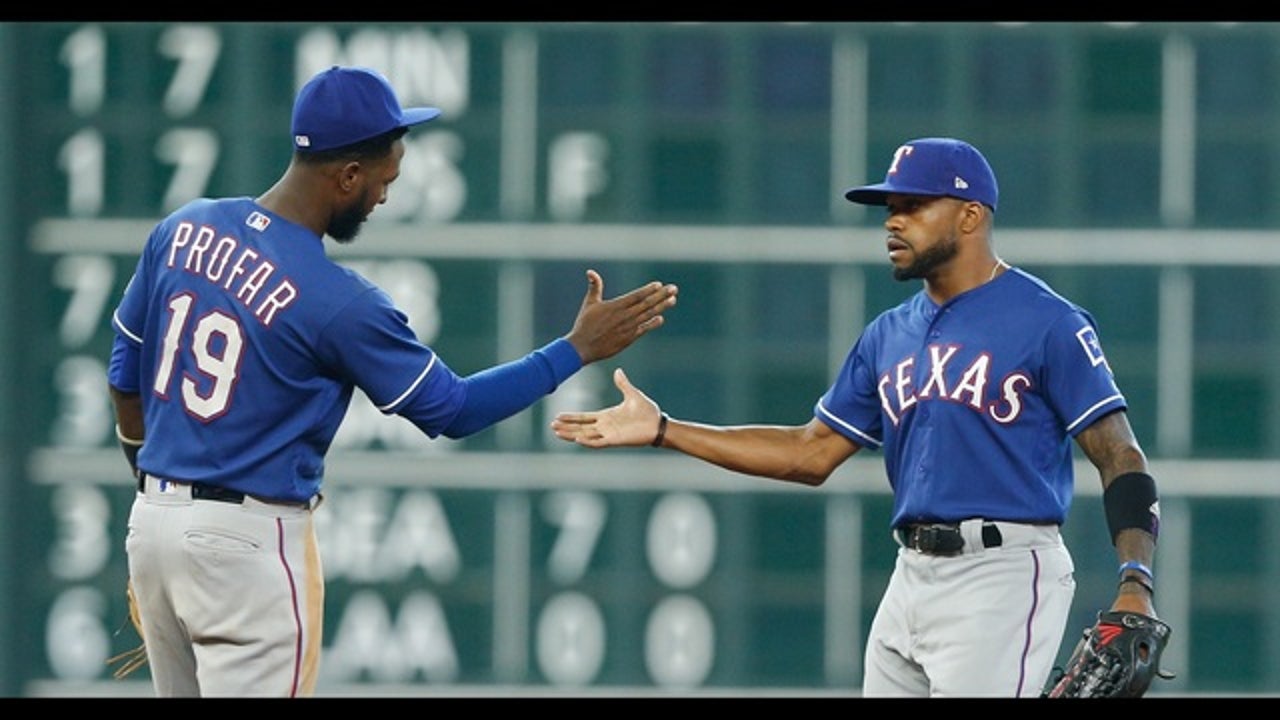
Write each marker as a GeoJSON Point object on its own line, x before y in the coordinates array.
{"type": "Point", "coordinates": [501, 391]}
{"type": "Point", "coordinates": [603, 328]}
{"type": "Point", "coordinates": [805, 454]}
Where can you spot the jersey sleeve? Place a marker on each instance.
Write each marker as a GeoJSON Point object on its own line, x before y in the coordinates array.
{"type": "Point", "coordinates": [129, 321]}
{"type": "Point", "coordinates": [130, 317]}
{"type": "Point", "coordinates": [373, 344]}
{"type": "Point", "coordinates": [851, 406]}
{"type": "Point", "coordinates": [124, 369]}
{"type": "Point", "coordinates": [1078, 380]}
{"type": "Point", "coordinates": [501, 391]}
{"type": "Point", "coordinates": [370, 344]}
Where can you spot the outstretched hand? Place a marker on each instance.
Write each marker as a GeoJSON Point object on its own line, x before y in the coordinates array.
{"type": "Point", "coordinates": [634, 421]}
{"type": "Point", "coordinates": [605, 328]}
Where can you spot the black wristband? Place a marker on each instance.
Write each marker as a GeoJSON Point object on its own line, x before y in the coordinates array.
{"type": "Point", "coordinates": [662, 430]}
{"type": "Point", "coordinates": [1130, 501]}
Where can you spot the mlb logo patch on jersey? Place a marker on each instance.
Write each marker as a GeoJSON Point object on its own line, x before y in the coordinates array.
{"type": "Point", "coordinates": [1088, 338]}
{"type": "Point", "coordinates": [258, 221]}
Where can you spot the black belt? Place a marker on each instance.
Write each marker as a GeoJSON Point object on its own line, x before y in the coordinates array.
{"type": "Point", "coordinates": [944, 538]}
{"type": "Point", "coordinates": [201, 491]}
{"type": "Point", "coordinates": [217, 493]}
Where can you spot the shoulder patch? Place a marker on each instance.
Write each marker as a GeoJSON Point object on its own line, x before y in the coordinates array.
{"type": "Point", "coordinates": [1088, 338]}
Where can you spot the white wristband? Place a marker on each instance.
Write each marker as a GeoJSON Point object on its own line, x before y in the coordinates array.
{"type": "Point", "coordinates": [126, 440]}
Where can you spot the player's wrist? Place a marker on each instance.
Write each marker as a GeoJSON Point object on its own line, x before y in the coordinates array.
{"type": "Point", "coordinates": [126, 440]}
{"type": "Point", "coordinates": [130, 447]}
{"type": "Point", "coordinates": [1133, 572]}
{"type": "Point", "coordinates": [663, 419]}
{"type": "Point", "coordinates": [1132, 581]}
{"type": "Point", "coordinates": [563, 357]}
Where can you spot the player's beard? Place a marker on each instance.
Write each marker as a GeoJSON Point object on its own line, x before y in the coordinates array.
{"type": "Point", "coordinates": [925, 263]}
{"type": "Point", "coordinates": [345, 226]}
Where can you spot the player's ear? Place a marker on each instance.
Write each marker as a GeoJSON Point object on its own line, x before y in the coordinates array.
{"type": "Point", "coordinates": [972, 216]}
{"type": "Point", "coordinates": [348, 176]}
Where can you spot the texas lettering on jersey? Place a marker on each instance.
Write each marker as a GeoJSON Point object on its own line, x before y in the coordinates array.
{"type": "Point", "coordinates": [967, 385]}
{"type": "Point", "coordinates": [238, 270]}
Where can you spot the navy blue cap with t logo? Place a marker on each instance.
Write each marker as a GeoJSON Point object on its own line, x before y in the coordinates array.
{"type": "Point", "coordinates": [933, 166]}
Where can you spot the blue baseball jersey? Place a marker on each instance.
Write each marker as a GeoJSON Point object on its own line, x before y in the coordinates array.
{"type": "Point", "coordinates": [975, 402]}
{"type": "Point", "coordinates": [246, 342]}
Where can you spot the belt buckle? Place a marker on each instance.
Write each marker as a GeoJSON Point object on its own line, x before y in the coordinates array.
{"type": "Point", "coordinates": [927, 539]}
{"type": "Point", "coordinates": [932, 539]}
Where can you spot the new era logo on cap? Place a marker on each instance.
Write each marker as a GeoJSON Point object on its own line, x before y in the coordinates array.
{"type": "Point", "coordinates": [344, 105]}
{"type": "Point", "coordinates": [933, 166]}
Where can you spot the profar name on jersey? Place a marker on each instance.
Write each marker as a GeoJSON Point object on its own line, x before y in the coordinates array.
{"type": "Point", "coordinates": [215, 263]}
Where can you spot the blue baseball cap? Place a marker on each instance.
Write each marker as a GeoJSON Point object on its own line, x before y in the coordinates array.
{"type": "Point", "coordinates": [344, 105]}
{"type": "Point", "coordinates": [933, 166]}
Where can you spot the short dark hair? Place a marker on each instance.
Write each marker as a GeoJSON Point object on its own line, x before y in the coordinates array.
{"type": "Point", "coordinates": [375, 147]}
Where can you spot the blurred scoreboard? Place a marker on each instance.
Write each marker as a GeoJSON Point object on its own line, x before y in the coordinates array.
{"type": "Point", "coordinates": [712, 155]}
{"type": "Point", "coordinates": [508, 562]}
{"type": "Point", "coordinates": [572, 122]}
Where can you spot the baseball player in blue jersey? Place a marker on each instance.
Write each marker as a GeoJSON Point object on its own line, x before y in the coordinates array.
{"type": "Point", "coordinates": [973, 388]}
{"type": "Point", "coordinates": [238, 347]}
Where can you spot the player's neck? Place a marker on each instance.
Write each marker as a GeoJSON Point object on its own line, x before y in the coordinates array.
{"type": "Point", "coordinates": [293, 202]}
{"type": "Point", "coordinates": [943, 285]}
